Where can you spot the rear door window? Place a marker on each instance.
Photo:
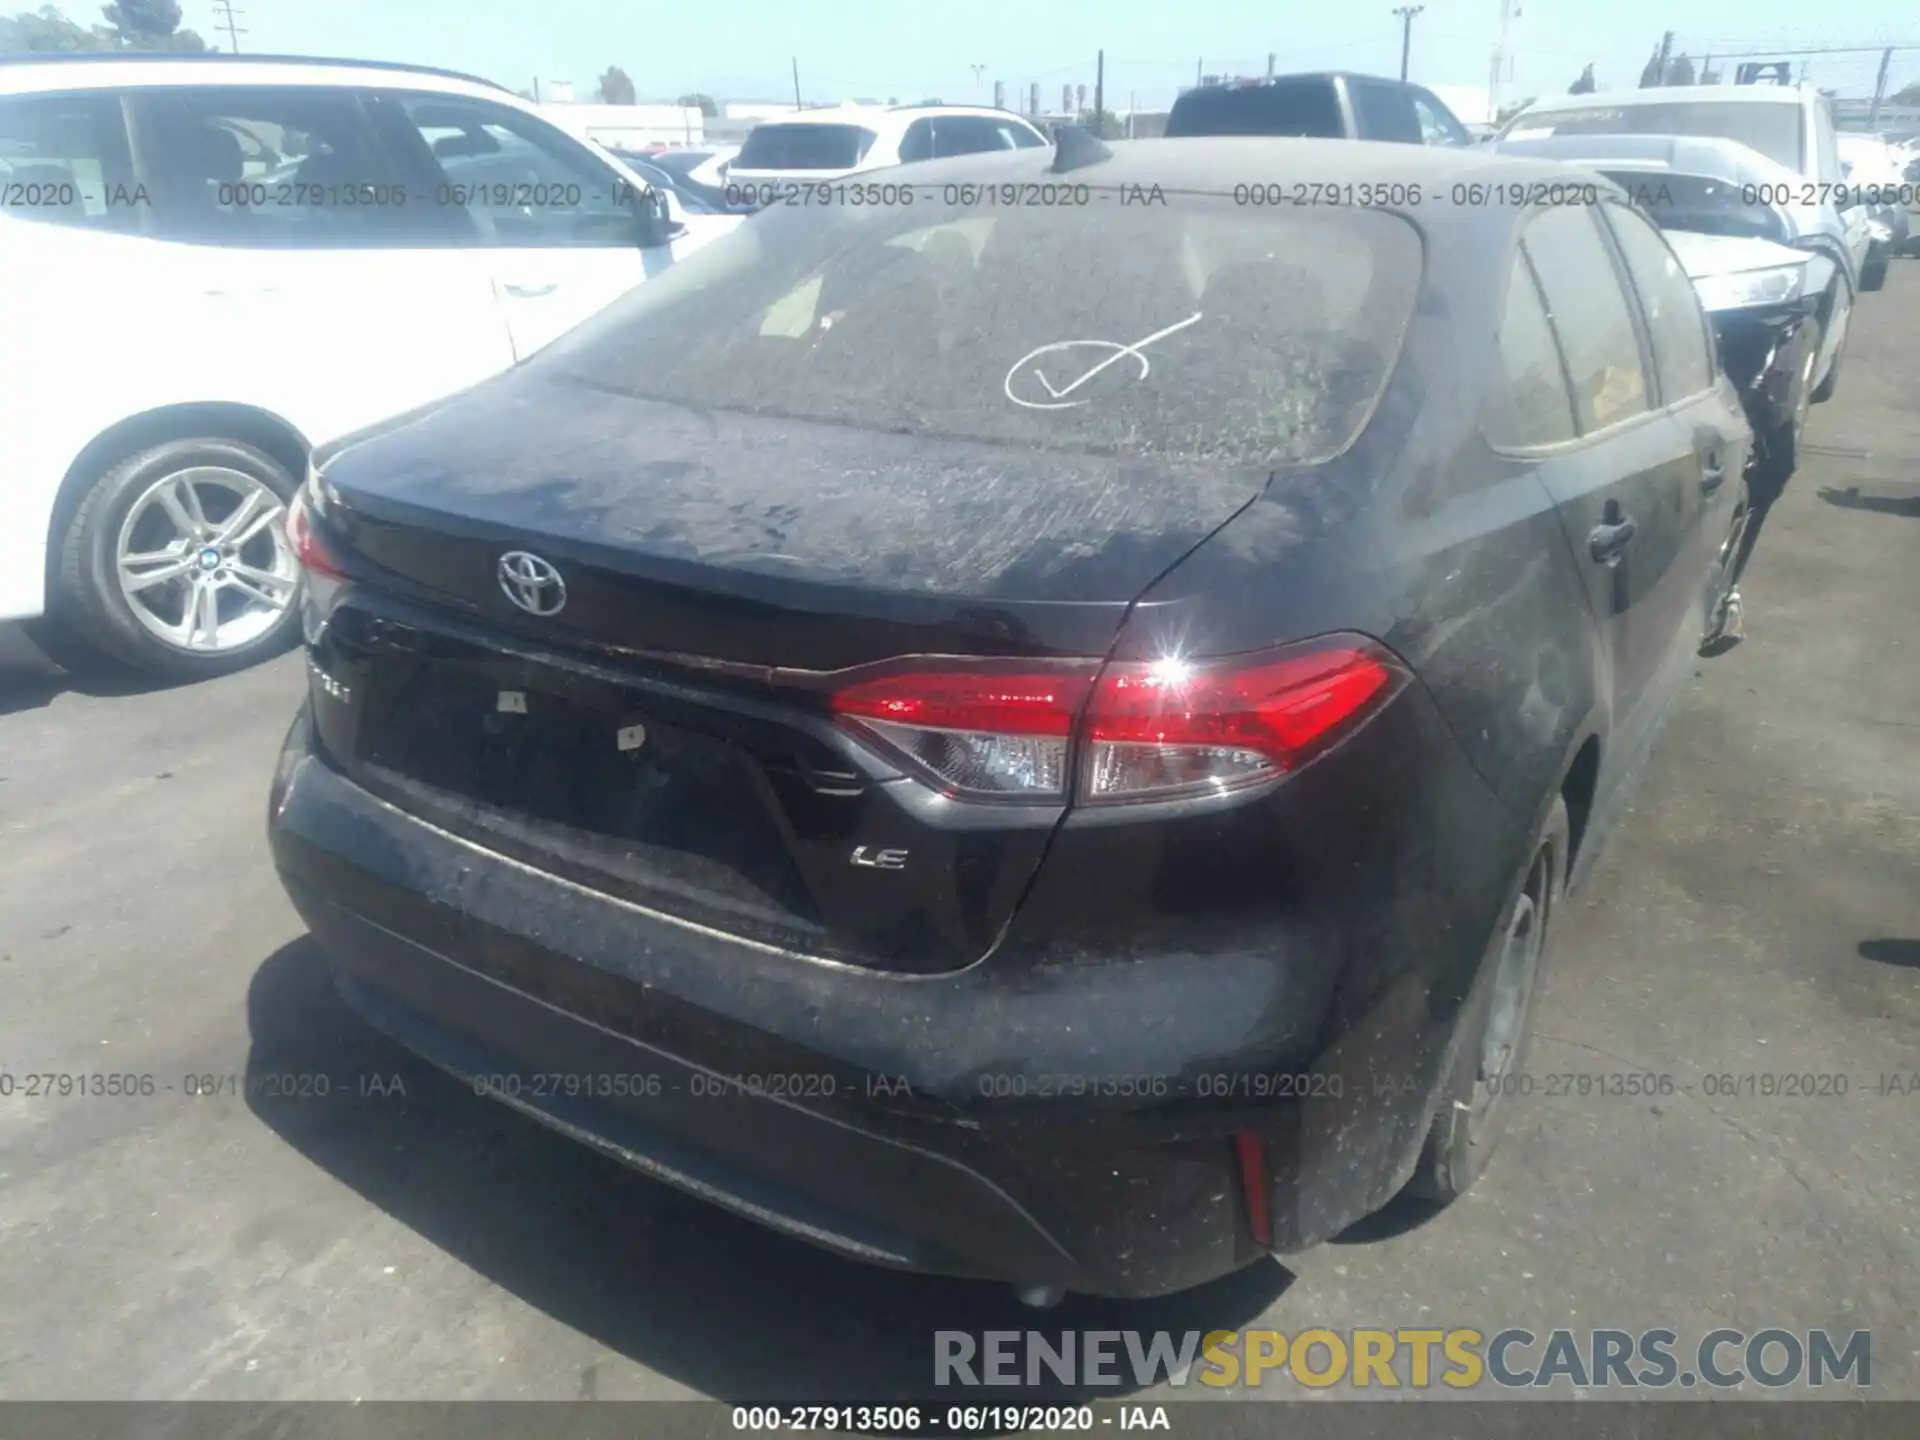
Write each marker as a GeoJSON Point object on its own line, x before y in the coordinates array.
{"type": "Point", "coordinates": [1285, 107]}
{"type": "Point", "coordinates": [64, 161]}
{"type": "Point", "coordinates": [803, 146]}
{"type": "Point", "coordinates": [519, 183]}
{"type": "Point", "coordinates": [1676, 327]}
{"type": "Point", "coordinates": [277, 167]}
{"type": "Point", "coordinates": [1590, 315]}
{"type": "Point", "coordinates": [1529, 406]}
{"type": "Point", "coordinates": [1385, 112]}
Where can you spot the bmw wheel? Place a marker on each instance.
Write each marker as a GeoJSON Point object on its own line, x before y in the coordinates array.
{"type": "Point", "coordinates": [177, 560]}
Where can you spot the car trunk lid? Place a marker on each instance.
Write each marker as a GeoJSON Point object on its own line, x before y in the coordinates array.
{"type": "Point", "coordinates": [666, 734]}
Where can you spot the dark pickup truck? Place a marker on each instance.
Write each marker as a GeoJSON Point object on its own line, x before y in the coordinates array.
{"type": "Point", "coordinates": [1333, 105]}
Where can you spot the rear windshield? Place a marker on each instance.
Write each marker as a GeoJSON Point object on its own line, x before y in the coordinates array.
{"type": "Point", "coordinates": [1700, 203]}
{"type": "Point", "coordinates": [1196, 329]}
{"type": "Point", "coordinates": [1771, 128]}
{"type": "Point", "coordinates": [1291, 107]}
{"type": "Point", "coordinates": [804, 147]}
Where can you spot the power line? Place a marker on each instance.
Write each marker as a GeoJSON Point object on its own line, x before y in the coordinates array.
{"type": "Point", "coordinates": [224, 9]}
{"type": "Point", "coordinates": [1783, 50]}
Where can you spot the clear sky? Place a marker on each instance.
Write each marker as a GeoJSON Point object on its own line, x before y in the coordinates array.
{"type": "Point", "coordinates": [914, 49]}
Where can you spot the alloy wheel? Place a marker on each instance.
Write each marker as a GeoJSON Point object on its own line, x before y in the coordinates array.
{"type": "Point", "coordinates": [203, 560]}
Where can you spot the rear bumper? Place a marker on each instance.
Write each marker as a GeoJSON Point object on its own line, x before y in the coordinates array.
{"type": "Point", "coordinates": [1066, 1124]}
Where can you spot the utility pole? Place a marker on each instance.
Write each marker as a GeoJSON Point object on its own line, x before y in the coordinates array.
{"type": "Point", "coordinates": [978, 71]}
{"type": "Point", "coordinates": [796, 84]}
{"type": "Point", "coordinates": [1270, 65]}
{"type": "Point", "coordinates": [226, 13]}
{"type": "Point", "coordinates": [1880, 88]}
{"type": "Point", "coordinates": [1666, 49]}
{"type": "Point", "coordinates": [1100, 93]}
{"type": "Point", "coordinates": [1196, 73]}
{"type": "Point", "coordinates": [1406, 14]}
{"type": "Point", "coordinates": [536, 89]}
{"type": "Point", "coordinates": [1497, 72]}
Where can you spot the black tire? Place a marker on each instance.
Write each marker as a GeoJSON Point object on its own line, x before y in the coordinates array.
{"type": "Point", "coordinates": [1874, 275]}
{"type": "Point", "coordinates": [1474, 1107]}
{"type": "Point", "coordinates": [87, 601]}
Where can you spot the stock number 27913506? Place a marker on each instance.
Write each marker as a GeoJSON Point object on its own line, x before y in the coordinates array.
{"type": "Point", "coordinates": [1319, 192]}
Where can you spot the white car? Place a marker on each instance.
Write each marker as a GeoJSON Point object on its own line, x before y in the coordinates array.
{"type": "Point", "coordinates": [210, 265]}
{"type": "Point", "coordinates": [810, 146]}
{"type": "Point", "coordinates": [1776, 142]}
{"type": "Point", "coordinates": [1874, 167]}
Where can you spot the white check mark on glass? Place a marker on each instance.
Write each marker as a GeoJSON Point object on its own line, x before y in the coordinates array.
{"type": "Point", "coordinates": [1118, 352]}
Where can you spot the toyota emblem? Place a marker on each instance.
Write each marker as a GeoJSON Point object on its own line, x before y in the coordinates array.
{"type": "Point", "coordinates": [532, 583]}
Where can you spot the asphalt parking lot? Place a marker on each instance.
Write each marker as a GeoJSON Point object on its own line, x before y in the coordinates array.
{"type": "Point", "coordinates": [1758, 914]}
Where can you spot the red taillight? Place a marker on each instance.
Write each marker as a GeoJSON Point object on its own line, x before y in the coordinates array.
{"type": "Point", "coordinates": [1003, 701]}
{"type": "Point", "coordinates": [985, 728]}
{"type": "Point", "coordinates": [1172, 727]}
{"type": "Point", "coordinates": [1253, 1185]}
{"type": "Point", "coordinates": [1151, 731]}
{"type": "Point", "coordinates": [308, 547]}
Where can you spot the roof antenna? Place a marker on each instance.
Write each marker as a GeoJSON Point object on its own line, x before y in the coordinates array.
{"type": "Point", "coordinates": [1075, 148]}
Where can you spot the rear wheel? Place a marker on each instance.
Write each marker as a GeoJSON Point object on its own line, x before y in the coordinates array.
{"type": "Point", "coordinates": [1724, 617]}
{"type": "Point", "coordinates": [177, 561]}
{"type": "Point", "coordinates": [1476, 1105]}
{"type": "Point", "coordinates": [1874, 274]}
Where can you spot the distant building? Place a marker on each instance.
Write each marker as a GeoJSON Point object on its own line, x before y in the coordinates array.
{"type": "Point", "coordinates": [630, 127]}
{"type": "Point", "coordinates": [754, 110]}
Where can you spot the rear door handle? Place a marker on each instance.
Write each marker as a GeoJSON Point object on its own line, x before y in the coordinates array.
{"type": "Point", "coordinates": [531, 292]}
{"type": "Point", "coordinates": [1608, 542]}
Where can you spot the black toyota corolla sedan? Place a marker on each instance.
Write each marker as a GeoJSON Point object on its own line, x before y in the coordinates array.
{"type": "Point", "coordinates": [1034, 727]}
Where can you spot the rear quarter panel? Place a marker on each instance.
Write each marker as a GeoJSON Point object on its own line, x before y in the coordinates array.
{"type": "Point", "coordinates": [1452, 554]}
{"type": "Point", "coordinates": [1425, 537]}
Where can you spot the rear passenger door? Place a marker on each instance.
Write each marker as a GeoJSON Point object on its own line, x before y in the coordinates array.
{"type": "Point", "coordinates": [1627, 489]}
{"type": "Point", "coordinates": [292, 268]}
{"type": "Point", "coordinates": [554, 225]}
{"type": "Point", "coordinates": [1692, 390]}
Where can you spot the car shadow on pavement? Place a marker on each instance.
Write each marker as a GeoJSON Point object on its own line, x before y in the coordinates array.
{"type": "Point", "coordinates": [36, 665]}
{"type": "Point", "coordinates": [1904, 953]}
{"type": "Point", "coordinates": [712, 1302]}
{"type": "Point", "coordinates": [1851, 499]}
